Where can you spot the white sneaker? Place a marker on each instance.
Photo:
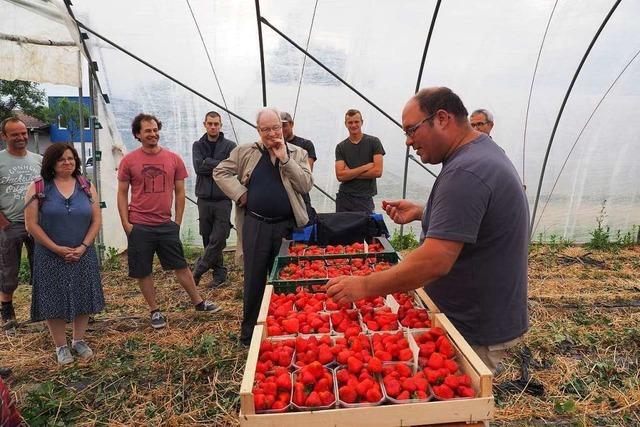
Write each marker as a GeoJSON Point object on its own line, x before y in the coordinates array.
{"type": "Point", "coordinates": [83, 350]}
{"type": "Point", "coordinates": [64, 355]}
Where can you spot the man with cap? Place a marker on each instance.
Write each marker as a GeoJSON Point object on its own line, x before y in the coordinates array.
{"type": "Point", "coordinates": [291, 138]}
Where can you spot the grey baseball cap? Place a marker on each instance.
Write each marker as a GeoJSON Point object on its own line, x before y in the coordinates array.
{"type": "Point", "coordinates": [285, 117]}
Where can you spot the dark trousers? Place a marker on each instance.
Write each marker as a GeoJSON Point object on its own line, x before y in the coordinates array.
{"type": "Point", "coordinates": [260, 245]}
{"type": "Point", "coordinates": [11, 241]}
{"type": "Point", "coordinates": [350, 203]}
{"type": "Point", "coordinates": [214, 218]}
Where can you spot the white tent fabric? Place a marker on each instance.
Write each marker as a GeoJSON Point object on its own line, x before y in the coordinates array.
{"type": "Point", "coordinates": [485, 51]}
{"type": "Point", "coordinates": [38, 42]}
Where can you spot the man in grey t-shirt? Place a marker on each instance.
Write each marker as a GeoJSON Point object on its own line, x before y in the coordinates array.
{"type": "Point", "coordinates": [473, 261]}
{"type": "Point", "coordinates": [18, 167]}
{"type": "Point", "coordinates": [358, 164]}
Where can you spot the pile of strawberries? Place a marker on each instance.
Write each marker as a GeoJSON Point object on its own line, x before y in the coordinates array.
{"type": "Point", "coordinates": [390, 347]}
{"type": "Point", "coordinates": [357, 383]}
{"type": "Point", "coordinates": [312, 349]}
{"type": "Point", "coordinates": [301, 322]}
{"type": "Point", "coordinates": [381, 319]}
{"type": "Point", "coordinates": [400, 383]}
{"type": "Point", "coordinates": [313, 387]}
{"type": "Point", "coordinates": [436, 357]}
{"type": "Point", "coordinates": [303, 249]}
{"type": "Point", "coordinates": [303, 270]}
{"type": "Point", "coordinates": [346, 322]}
{"type": "Point", "coordinates": [272, 391]}
{"type": "Point", "coordinates": [275, 353]}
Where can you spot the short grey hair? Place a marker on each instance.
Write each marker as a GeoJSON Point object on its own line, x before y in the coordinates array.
{"type": "Point", "coordinates": [267, 109]}
{"type": "Point", "coordinates": [486, 113]}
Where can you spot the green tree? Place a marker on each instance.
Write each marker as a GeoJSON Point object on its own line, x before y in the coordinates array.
{"type": "Point", "coordinates": [67, 113]}
{"type": "Point", "coordinates": [26, 96]}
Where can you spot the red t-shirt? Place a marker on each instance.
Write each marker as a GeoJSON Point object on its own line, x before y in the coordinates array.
{"type": "Point", "coordinates": [152, 178]}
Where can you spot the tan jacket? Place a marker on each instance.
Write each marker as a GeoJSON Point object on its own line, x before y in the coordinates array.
{"type": "Point", "coordinates": [233, 174]}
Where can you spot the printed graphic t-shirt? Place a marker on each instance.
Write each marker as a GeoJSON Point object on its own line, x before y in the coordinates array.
{"type": "Point", "coordinates": [16, 173]}
{"type": "Point", "coordinates": [152, 179]}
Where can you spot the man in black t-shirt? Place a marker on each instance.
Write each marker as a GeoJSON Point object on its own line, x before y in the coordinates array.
{"type": "Point", "coordinates": [358, 164]}
{"type": "Point", "coordinates": [290, 138]}
{"type": "Point", "coordinates": [473, 261]}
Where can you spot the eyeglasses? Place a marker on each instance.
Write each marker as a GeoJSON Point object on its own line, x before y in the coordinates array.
{"type": "Point", "coordinates": [275, 128]}
{"type": "Point", "coordinates": [478, 124]}
{"type": "Point", "coordinates": [412, 130]}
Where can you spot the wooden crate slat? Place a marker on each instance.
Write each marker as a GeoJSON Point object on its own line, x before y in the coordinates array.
{"type": "Point", "coordinates": [467, 410]}
{"type": "Point", "coordinates": [264, 307]}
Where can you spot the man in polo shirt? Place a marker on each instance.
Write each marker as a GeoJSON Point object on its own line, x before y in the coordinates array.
{"type": "Point", "coordinates": [473, 261]}
{"type": "Point", "coordinates": [290, 138]}
{"type": "Point", "coordinates": [266, 179]}
{"type": "Point", "coordinates": [154, 175]}
{"type": "Point", "coordinates": [358, 164]}
{"type": "Point", "coordinates": [214, 207]}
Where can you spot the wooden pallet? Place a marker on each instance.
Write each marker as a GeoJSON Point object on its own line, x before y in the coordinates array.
{"type": "Point", "coordinates": [477, 410]}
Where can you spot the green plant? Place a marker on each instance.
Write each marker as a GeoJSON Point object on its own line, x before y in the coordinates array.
{"type": "Point", "coordinates": [111, 259]}
{"type": "Point", "coordinates": [24, 273]}
{"type": "Point", "coordinates": [405, 241]}
{"type": "Point", "coordinates": [50, 404]}
{"type": "Point", "coordinates": [601, 235]}
{"type": "Point", "coordinates": [187, 244]}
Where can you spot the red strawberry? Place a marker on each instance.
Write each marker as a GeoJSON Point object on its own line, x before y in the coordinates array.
{"type": "Point", "coordinates": [436, 361]}
{"type": "Point", "coordinates": [393, 387]}
{"type": "Point", "coordinates": [452, 382]}
{"type": "Point", "coordinates": [451, 365]}
{"type": "Point", "coordinates": [464, 391]}
{"type": "Point", "coordinates": [404, 395]}
{"type": "Point", "coordinates": [374, 395]}
{"type": "Point", "coordinates": [354, 365]}
{"type": "Point", "coordinates": [375, 365]}
{"type": "Point", "coordinates": [443, 391]}
{"type": "Point", "coordinates": [313, 400]}
{"type": "Point", "coordinates": [347, 394]}
{"type": "Point", "coordinates": [405, 354]}
{"type": "Point", "coordinates": [465, 380]}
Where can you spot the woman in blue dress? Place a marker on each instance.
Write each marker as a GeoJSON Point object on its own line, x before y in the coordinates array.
{"type": "Point", "coordinates": [64, 224]}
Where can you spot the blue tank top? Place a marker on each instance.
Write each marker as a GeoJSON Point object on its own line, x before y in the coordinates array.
{"type": "Point", "coordinates": [65, 221]}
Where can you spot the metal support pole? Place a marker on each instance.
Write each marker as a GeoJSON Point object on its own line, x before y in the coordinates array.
{"type": "Point", "coordinates": [81, 129]}
{"type": "Point", "coordinates": [264, 81]}
{"type": "Point", "coordinates": [424, 57]}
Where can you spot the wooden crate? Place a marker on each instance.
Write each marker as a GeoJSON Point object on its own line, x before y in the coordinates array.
{"type": "Point", "coordinates": [478, 409]}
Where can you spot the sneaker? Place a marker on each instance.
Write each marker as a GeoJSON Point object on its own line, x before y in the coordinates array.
{"type": "Point", "coordinates": [208, 306]}
{"type": "Point", "coordinates": [64, 355]}
{"type": "Point", "coordinates": [9, 327]}
{"type": "Point", "coordinates": [217, 281]}
{"type": "Point", "coordinates": [157, 320]}
{"type": "Point", "coordinates": [83, 350]}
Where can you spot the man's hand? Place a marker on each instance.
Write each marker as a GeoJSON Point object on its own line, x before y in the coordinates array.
{"type": "Point", "coordinates": [346, 289]}
{"type": "Point", "coordinates": [279, 148]}
{"type": "Point", "coordinates": [127, 228]}
{"type": "Point", "coordinates": [402, 211]}
{"type": "Point", "coordinates": [242, 201]}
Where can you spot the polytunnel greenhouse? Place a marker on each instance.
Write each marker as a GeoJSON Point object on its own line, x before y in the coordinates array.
{"type": "Point", "coordinates": [561, 80]}
{"type": "Point", "coordinates": [559, 77]}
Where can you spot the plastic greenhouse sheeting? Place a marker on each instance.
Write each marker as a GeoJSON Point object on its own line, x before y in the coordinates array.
{"type": "Point", "coordinates": [516, 59]}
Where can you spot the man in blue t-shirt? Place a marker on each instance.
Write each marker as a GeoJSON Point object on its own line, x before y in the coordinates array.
{"type": "Point", "coordinates": [473, 261]}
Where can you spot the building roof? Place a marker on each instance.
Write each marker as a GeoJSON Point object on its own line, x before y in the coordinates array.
{"type": "Point", "coordinates": [31, 122]}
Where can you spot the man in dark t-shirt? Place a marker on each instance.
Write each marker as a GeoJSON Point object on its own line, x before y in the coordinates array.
{"type": "Point", "coordinates": [473, 261]}
{"type": "Point", "coordinates": [358, 164]}
{"type": "Point", "coordinates": [291, 138]}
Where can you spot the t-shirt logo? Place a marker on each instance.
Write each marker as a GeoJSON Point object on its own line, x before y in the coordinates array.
{"type": "Point", "coordinates": [154, 178]}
